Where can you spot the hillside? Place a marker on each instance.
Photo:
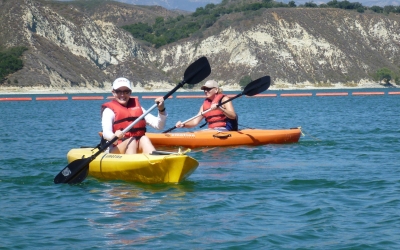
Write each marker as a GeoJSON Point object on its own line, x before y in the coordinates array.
{"type": "Point", "coordinates": [111, 11]}
{"type": "Point", "coordinates": [71, 46]}
{"type": "Point", "coordinates": [82, 48]}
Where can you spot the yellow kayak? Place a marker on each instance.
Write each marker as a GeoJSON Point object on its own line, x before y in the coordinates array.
{"type": "Point", "coordinates": [145, 168]}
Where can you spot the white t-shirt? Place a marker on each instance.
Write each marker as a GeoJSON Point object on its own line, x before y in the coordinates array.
{"type": "Point", "coordinates": [108, 116]}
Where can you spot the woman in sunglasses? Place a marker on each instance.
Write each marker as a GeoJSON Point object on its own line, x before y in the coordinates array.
{"type": "Point", "coordinates": [121, 112]}
{"type": "Point", "coordinates": [220, 117]}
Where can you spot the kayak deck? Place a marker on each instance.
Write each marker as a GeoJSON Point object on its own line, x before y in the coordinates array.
{"type": "Point", "coordinates": [214, 138]}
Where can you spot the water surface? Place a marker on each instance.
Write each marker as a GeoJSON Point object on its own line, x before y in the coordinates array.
{"type": "Point", "coordinates": [338, 188]}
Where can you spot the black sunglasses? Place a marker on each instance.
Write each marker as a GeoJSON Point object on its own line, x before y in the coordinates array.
{"type": "Point", "coordinates": [207, 89]}
{"type": "Point", "coordinates": [125, 92]}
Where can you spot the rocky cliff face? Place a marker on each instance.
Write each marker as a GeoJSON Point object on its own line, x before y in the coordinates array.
{"type": "Point", "coordinates": [296, 46]}
{"type": "Point", "coordinates": [71, 48]}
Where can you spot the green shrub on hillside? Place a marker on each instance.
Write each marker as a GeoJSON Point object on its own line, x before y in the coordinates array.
{"type": "Point", "coordinates": [164, 32]}
{"type": "Point", "coordinates": [386, 75]}
{"type": "Point", "coordinates": [173, 29]}
{"type": "Point", "coordinates": [10, 61]}
{"type": "Point", "coordinates": [244, 81]}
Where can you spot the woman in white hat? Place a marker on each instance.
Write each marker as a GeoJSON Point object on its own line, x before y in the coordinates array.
{"type": "Point", "coordinates": [121, 112]}
{"type": "Point", "coordinates": [222, 118]}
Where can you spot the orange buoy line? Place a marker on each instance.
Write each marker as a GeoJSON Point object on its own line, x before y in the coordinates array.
{"type": "Point", "coordinates": [51, 98]}
{"type": "Point", "coordinates": [296, 94]}
{"type": "Point", "coordinates": [16, 99]}
{"type": "Point", "coordinates": [264, 95]}
{"type": "Point", "coordinates": [112, 97]}
{"type": "Point", "coordinates": [54, 98]}
{"type": "Point", "coordinates": [87, 98]}
{"type": "Point", "coordinates": [333, 94]}
{"type": "Point", "coordinates": [368, 93]}
{"type": "Point", "coordinates": [190, 96]}
{"type": "Point", "coordinates": [228, 95]}
{"type": "Point", "coordinates": [153, 96]}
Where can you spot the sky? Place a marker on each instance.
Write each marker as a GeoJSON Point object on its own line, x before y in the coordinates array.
{"type": "Point", "coordinates": [192, 5]}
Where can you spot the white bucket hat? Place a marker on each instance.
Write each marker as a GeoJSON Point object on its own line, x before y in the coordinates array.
{"type": "Point", "coordinates": [121, 82]}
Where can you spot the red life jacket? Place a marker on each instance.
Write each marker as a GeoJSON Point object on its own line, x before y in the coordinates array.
{"type": "Point", "coordinates": [214, 118]}
{"type": "Point", "coordinates": [124, 116]}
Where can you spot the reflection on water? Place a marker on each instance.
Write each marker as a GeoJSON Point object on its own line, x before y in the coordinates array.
{"type": "Point", "coordinates": [127, 209]}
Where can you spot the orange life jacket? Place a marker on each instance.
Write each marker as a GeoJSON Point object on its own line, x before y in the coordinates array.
{"type": "Point", "coordinates": [124, 116]}
{"type": "Point", "coordinates": [214, 118]}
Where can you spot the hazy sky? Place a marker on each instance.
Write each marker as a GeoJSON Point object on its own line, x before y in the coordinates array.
{"type": "Point", "coordinates": [191, 5]}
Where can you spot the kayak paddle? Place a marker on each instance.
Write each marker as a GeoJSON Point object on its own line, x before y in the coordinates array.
{"type": "Point", "coordinates": [253, 88]}
{"type": "Point", "coordinates": [76, 171]}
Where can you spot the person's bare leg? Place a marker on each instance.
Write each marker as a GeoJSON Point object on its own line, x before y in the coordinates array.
{"type": "Point", "coordinates": [131, 147]}
{"type": "Point", "coordinates": [145, 145]}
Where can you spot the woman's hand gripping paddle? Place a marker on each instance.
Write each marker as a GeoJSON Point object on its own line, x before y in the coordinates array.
{"type": "Point", "coordinates": [76, 171]}
{"type": "Point", "coordinates": [253, 88]}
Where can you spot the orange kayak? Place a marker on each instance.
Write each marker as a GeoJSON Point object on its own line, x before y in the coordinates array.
{"type": "Point", "coordinates": [214, 138]}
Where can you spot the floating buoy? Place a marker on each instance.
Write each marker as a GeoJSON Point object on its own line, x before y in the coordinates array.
{"type": "Point", "coordinates": [153, 96]}
{"type": "Point", "coordinates": [87, 98]}
{"type": "Point", "coordinates": [112, 97]}
{"type": "Point", "coordinates": [333, 94]}
{"type": "Point", "coordinates": [52, 98]}
{"type": "Point", "coordinates": [297, 94]}
{"type": "Point", "coordinates": [190, 96]}
{"type": "Point", "coordinates": [368, 93]}
{"type": "Point", "coordinates": [264, 95]}
{"type": "Point", "coordinates": [16, 99]}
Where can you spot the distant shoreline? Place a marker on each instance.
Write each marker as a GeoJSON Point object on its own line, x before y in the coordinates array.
{"type": "Point", "coordinates": [278, 87]}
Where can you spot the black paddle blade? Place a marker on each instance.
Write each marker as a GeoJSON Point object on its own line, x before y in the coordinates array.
{"type": "Point", "coordinates": [257, 86]}
{"type": "Point", "coordinates": [79, 177]}
{"type": "Point", "coordinates": [197, 71]}
{"type": "Point", "coordinates": [75, 172]}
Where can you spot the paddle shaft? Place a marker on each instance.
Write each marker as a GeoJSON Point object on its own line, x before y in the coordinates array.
{"type": "Point", "coordinates": [141, 117]}
{"type": "Point", "coordinates": [77, 170]}
{"type": "Point", "coordinates": [202, 113]}
{"type": "Point", "coordinates": [79, 167]}
{"type": "Point", "coordinates": [253, 88]}
{"type": "Point", "coordinates": [148, 111]}
{"type": "Point", "coordinates": [130, 125]}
